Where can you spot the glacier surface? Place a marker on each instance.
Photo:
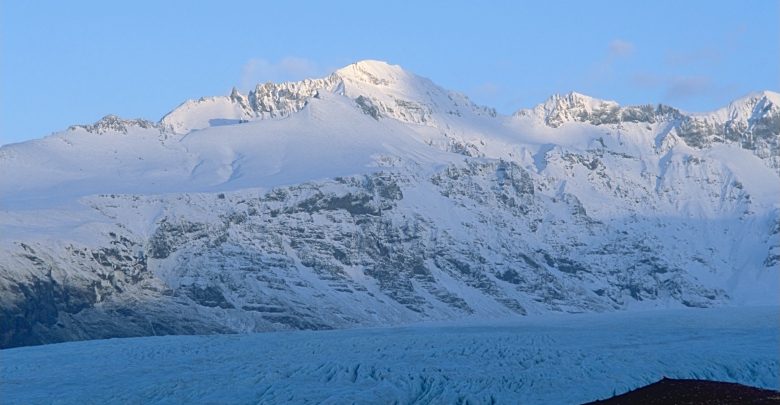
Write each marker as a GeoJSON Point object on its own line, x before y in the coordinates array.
{"type": "Point", "coordinates": [561, 359]}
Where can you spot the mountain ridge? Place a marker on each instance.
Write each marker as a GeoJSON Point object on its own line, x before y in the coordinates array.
{"type": "Point", "coordinates": [363, 200]}
{"type": "Point", "coordinates": [384, 90]}
{"type": "Point", "coordinates": [380, 73]}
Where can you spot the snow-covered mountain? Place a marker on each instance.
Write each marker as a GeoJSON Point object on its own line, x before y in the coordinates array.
{"type": "Point", "coordinates": [375, 197]}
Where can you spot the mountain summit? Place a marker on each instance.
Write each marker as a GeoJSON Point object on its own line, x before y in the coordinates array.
{"type": "Point", "coordinates": [373, 196]}
{"type": "Point", "coordinates": [384, 90]}
{"type": "Point", "coordinates": [378, 87]}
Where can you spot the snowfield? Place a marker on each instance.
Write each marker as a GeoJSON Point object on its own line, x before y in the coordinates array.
{"type": "Point", "coordinates": [548, 359]}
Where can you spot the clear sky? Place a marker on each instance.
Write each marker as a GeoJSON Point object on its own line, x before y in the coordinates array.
{"type": "Point", "coordinates": [68, 62]}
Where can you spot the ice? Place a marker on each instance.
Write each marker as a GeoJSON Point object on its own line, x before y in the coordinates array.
{"type": "Point", "coordinates": [554, 359]}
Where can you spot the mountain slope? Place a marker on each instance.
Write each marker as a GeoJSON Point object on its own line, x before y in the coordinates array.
{"type": "Point", "coordinates": [375, 197]}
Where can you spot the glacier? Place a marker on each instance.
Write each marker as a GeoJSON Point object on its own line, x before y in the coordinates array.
{"type": "Point", "coordinates": [373, 197]}
{"type": "Point", "coordinates": [560, 359]}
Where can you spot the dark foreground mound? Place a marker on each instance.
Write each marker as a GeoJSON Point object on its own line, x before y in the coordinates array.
{"type": "Point", "coordinates": [684, 392]}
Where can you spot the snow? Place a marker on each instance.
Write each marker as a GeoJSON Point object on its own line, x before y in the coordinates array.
{"type": "Point", "coordinates": [263, 153]}
{"type": "Point", "coordinates": [212, 111]}
{"type": "Point", "coordinates": [210, 144]}
{"type": "Point", "coordinates": [700, 218]}
{"type": "Point", "coordinates": [743, 107]}
{"type": "Point", "coordinates": [553, 359]}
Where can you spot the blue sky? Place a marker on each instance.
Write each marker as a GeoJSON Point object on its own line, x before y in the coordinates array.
{"type": "Point", "coordinates": [69, 62]}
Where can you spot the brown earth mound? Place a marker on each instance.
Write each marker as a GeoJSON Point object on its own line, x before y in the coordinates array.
{"type": "Point", "coordinates": [685, 392]}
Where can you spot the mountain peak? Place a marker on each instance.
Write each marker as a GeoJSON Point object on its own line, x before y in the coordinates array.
{"type": "Point", "coordinates": [575, 100]}
{"type": "Point", "coordinates": [372, 71]}
{"type": "Point", "coordinates": [755, 97]}
{"type": "Point", "coordinates": [113, 123]}
{"type": "Point", "coordinates": [378, 87]}
{"type": "Point", "coordinates": [235, 94]}
{"type": "Point", "coordinates": [756, 102]}
{"type": "Point", "coordinates": [572, 106]}
{"type": "Point", "coordinates": [772, 96]}
{"type": "Point", "coordinates": [374, 64]}
{"type": "Point", "coordinates": [761, 107]}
